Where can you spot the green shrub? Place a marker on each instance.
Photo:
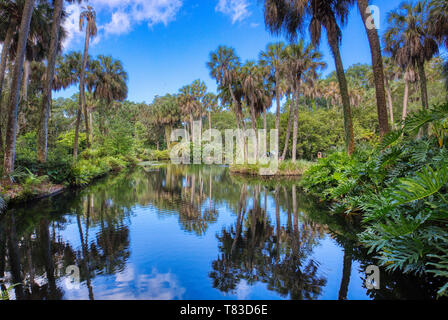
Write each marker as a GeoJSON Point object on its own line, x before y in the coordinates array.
{"type": "Point", "coordinates": [157, 155]}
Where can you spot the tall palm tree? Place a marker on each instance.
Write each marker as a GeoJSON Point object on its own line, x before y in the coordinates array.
{"type": "Point", "coordinates": [223, 65]}
{"type": "Point", "coordinates": [377, 67]}
{"type": "Point", "coordinates": [252, 84]}
{"type": "Point", "coordinates": [301, 63]}
{"type": "Point", "coordinates": [11, 133]}
{"type": "Point", "coordinates": [89, 16]}
{"type": "Point", "coordinates": [290, 17]}
{"type": "Point", "coordinates": [108, 81]}
{"type": "Point", "coordinates": [55, 40]}
{"type": "Point", "coordinates": [10, 19]}
{"type": "Point", "coordinates": [409, 41]}
{"type": "Point", "coordinates": [274, 58]}
{"type": "Point", "coordinates": [210, 103]}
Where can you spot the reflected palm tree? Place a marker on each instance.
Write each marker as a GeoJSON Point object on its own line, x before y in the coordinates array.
{"type": "Point", "coordinates": [252, 251]}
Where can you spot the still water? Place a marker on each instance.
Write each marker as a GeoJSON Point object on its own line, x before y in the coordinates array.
{"type": "Point", "coordinates": [180, 232]}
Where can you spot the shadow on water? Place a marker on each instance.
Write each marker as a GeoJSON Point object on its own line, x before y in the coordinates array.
{"type": "Point", "coordinates": [253, 233]}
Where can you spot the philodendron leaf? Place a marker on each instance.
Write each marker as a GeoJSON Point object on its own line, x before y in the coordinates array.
{"type": "Point", "coordinates": [424, 184]}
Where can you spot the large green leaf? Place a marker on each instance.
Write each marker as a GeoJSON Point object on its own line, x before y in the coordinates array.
{"type": "Point", "coordinates": [424, 184]}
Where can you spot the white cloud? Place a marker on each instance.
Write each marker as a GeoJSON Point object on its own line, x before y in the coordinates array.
{"type": "Point", "coordinates": [122, 15]}
{"type": "Point", "coordinates": [238, 10]}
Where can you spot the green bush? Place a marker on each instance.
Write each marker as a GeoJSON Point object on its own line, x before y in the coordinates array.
{"type": "Point", "coordinates": [157, 155]}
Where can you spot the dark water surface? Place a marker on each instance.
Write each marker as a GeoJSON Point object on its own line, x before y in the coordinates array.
{"type": "Point", "coordinates": [188, 233]}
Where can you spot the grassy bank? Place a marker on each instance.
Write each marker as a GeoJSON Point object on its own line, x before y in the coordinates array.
{"type": "Point", "coordinates": [285, 168]}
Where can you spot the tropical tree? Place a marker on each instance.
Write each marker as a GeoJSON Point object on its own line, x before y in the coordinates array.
{"type": "Point", "coordinates": [377, 66]}
{"type": "Point", "coordinates": [274, 58]}
{"type": "Point", "coordinates": [438, 20]}
{"type": "Point", "coordinates": [252, 84]}
{"type": "Point", "coordinates": [55, 40]}
{"type": "Point", "coordinates": [409, 41]}
{"type": "Point", "coordinates": [165, 111]}
{"type": "Point", "coordinates": [224, 65]}
{"type": "Point", "coordinates": [11, 133]}
{"type": "Point", "coordinates": [210, 102]}
{"type": "Point", "coordinates": [290, 17]}
{"type": "Point", "coordinates": [87, 16]}
{"type": "Point", "coordinates": [107, 80]}
{"type": "Point", "coordinates": [301, 63]}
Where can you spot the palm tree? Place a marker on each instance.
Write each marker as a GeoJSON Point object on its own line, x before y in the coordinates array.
{"type": "Point", "coordinates": [438, 20]}
{"type": "Point", "coordinates": [252, 84]}
{"type": "Point", "coordinates": [290, 17]}
{"type": "Point", "coordinates": [11, 133]}
{"type": "Point", "coordinates": [89, 16]}
{"type": "Point", "coordinates": [165, 112]}
{"type": "Point", "coordinates": [55, 40]}
{"type": "Point", "coordinates": [409, 41]}
{"type": "Point", "coordinates": [223, 65]}
{"type": "Point", "coordinates": [210, 102]}
{"type": "Point", "coordinates": [377, 67]}
{"type": "Point", "coordinates": [274, 58]}
{"type": "Point", "coordinates": [107, 81]}
{"type": "Point", "coordinates": [301, 63]}
{"type": "Point", "coordinates": [10, 18]}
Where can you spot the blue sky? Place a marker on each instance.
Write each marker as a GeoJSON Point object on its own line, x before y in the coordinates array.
{"type": "Point", "coordinates": [165, 44]}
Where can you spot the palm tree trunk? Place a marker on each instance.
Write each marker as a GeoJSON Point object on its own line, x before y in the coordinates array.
{"type": "Point", "coordinates": [265, 123]}
{"type": "Point", "coordinates": [42, 142]}
{"type": "Point", "coordinates": [295, 130]}
{"type": "Point", "coordinates": [254, 127]}
{"type": "Point", "coordinates": [25, 81]}
{"type": "Point", "coordinates": [239, 120]}
{"type": "Point", "coordinates": [424, 92]}
{"type": "Point", "coordinates": [11, 130]}
{"type": "Point", "coordinates": [277, 98]}
{"type": "Point", "coordinates": [81, 93]}
{"type": "Point", "coordinates": [288, 132]}
{"type": "Point", "coordinates": [3, 63]}
{"type": "Point", "coordinates": [390, 102]}
{"type": "Point", "coordinates": [91, 124]}
{"type": "Point", "coordinates": [348, 121]}
{"type": "Point", "coordinates": [210, 123]}
{"type": "Point", "coordinates": [405, 98]}
{"type": "Point", "coordinates": [377, 67]}
{"type": "Point", "coordinates": [86, 121]}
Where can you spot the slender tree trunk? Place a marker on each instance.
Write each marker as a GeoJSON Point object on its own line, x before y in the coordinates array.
{"type": "Point", "coordinates": [210, 123]}
{"type": "Point", "coordinates": [86, 121]}
{"type": "Point", "coordinates": [13, 106]}
{"type": "Point", "coordinates": [254, 127]}
{"type": "Point", "coordinates": [25, 81]}
{"type": "Point", "coordinates": [390, 103]}
{"type": "Point", "coordinates": [288, 132]}
{"type": "Point", "coordinates": [42, 142]}
{"type": "Point", "coordinates": [265, 123]}
{"type": "Point", "coordinates": [239, 120]}
{"type": "Point", "coordinates": [295, 130]}
{"type": "Point", "coordinates": [377, 66]}
{"type": "Point", "coordinates": [3, 63]}
{"type": "Point", "coordinates": [81, 93]}
{"type": "Point", "coordinates": [405, 98]}
{"type": "Point", "coordinates": [277, 98]}
{"type": "Point", "coordinates": [348, 121]}
{"type": "Point", "coordinates": [424, 92]}
{"type": "Point", "coordinates": [42, 139]}
{"type": "Point", "coordinates": [91, 124]}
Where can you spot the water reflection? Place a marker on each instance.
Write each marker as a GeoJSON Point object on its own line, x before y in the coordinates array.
{"type": "Point", "coordinates": [188, 233]}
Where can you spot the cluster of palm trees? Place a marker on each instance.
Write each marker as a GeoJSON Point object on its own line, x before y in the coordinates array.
{"type": "Point", "coordinates": [413, 38]}
{"type": "Point", "coordinates": [32, 34]}
{"type": "Point", "coordinates": [282, 70]}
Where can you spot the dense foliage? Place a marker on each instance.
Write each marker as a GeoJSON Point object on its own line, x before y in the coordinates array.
{"type": "Point", "coordinates": [399, 188]}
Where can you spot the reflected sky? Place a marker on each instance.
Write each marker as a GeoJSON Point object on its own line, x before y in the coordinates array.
{"type": "Point", "coordinates": [174, 232]}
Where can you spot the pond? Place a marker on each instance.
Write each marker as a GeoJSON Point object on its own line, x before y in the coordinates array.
{"type": "Point", "coordinates": [188, 232]}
